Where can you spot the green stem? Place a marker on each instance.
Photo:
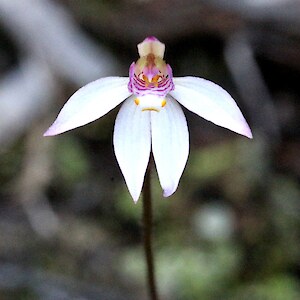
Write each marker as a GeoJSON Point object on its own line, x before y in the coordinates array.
{"type": "Point", "coordinates": [147, 226]}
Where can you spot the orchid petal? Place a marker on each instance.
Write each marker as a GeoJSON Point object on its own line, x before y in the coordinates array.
{"type": "Point", "coordinates": [211, 102]}
{"type": "Point", "coordinates": [170, 144]}
{"type": "Point", "coordinates": [90, 103]}
{"type": "Point", "coordinates": [132, 143]}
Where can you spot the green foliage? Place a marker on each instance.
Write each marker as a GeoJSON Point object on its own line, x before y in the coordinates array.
{"type": "Point", "coordinates": [280, 287]}
{"type": "Point", "coordinates": [187, 272]}
{"type": "Point", "coordinates": [71, 160]}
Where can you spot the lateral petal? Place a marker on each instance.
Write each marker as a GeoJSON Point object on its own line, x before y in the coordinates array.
{"type": "Point", "coordinates": [211, 102]}
{"type": "Point", "coordinates": [170, 144]}
{"type": "Point", "coordinates": [90, 103]}
{"type": "Point", "coordinates": [132, 144]}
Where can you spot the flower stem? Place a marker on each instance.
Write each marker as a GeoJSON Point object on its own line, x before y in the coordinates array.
{"type": "Point", "coordinates": [147, 226]}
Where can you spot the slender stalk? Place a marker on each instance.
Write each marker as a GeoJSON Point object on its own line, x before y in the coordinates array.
{"type": "Point", "coordinates": [147, 236]}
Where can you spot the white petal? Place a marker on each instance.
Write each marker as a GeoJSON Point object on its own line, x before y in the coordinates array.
{"type": "Point", "coordinates": [211, 102]}
{"type": "Point", "coordinates": [170, 144]}
{"type": "Point", "coordinates": [90, 103]}
{"type": "Point", "coordinates": [132, 143]}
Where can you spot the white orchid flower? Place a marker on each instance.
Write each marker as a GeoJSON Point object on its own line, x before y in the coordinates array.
{"type": "Point", "coordinates": [151, 117]}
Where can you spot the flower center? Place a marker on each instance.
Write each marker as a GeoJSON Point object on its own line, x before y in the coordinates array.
{"type": "Point", "coordinates": [150, 81]}
{"type": "Point", "coordinates": [150, 78]}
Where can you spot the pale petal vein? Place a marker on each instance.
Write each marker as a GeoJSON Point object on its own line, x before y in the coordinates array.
{"type": "Point", "coordinates": [132, 143]}
{"type": "Point", "coordinates": [170, 144]}
{"type": "Point", "coordinates": [90, 103]}
{"type": "Point", "coordinates": [211, 102]}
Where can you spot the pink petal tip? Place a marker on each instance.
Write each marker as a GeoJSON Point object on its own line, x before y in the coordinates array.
{"type": "Point", "coordinates": [51, 131]}
{"type": "Point", "coordinates": [150, 39]}
{"type": "Point", "coordinates": [168, 192]}
{"type": "Point", "coordinates": [247, 132]}
{"type": "Point", "coordinates": [48, 133]}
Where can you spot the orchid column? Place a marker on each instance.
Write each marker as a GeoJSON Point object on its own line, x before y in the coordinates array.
{"type": "Point", "coordinates": [151, 118]}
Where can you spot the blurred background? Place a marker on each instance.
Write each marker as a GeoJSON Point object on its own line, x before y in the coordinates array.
{"type": "Point", "coordinates": [68, 227]}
